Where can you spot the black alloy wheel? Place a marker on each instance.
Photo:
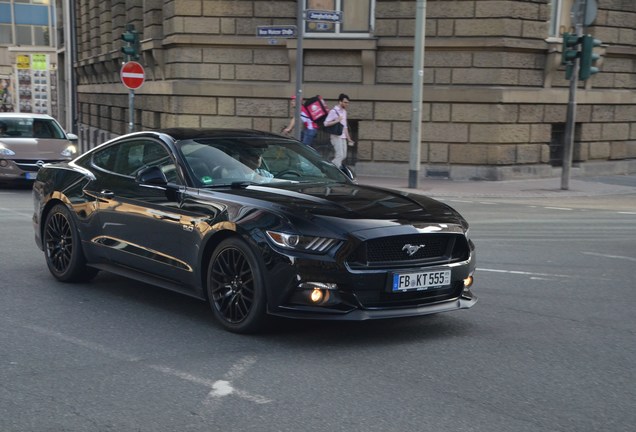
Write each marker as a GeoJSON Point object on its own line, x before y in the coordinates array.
{"type": "Point", "coordinates": [235, 287]}
{"type": "Point", "coordinates": [62, 248]}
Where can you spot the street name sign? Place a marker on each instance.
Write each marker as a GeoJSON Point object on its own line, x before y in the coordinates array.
{"type": "Point", "coordinates": [287, 31]}
{"type": "Point", "coordinates": [132, 75]}
{"type": "Point", "coordinates": [323, 15]}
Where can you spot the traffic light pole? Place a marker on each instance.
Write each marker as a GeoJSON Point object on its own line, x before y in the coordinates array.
{"type": "Point", "coordinates": [568, 147]}
{"type": "Point", "coordinates": [300, 24]}
{"type": "Point", "coordinates": [131, 111]}
{"type": "Point", "coordinates": [131, 51]}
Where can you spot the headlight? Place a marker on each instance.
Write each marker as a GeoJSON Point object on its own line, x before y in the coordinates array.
{"type": "Point", "coordinates": [5, 151]}
{"type": "Point", "coordinates": [69, 151]}
{"type": "Point", "coordinates": [301, 243]}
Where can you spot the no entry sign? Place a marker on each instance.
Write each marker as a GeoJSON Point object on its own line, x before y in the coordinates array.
{"type": "Point", "coordinates": [132, 75]}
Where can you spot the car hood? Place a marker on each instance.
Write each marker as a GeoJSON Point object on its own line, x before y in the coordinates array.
{"type": "Point", "coordinates": [356, 207]}
{"type": "Point", "coordinates": [36, 148]}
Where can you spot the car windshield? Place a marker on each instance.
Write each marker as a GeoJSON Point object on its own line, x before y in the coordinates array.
{"type": "Point", "coordinates": [253, 160]}
{"type": "Point", "coordinates": [24, 127]}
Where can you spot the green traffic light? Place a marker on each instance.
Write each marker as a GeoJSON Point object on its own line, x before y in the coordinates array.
{"type": "Point", "coordinates": [570, 50]}
{"type": "Point", "coordinates": [129, 51]}
{"type": "Point", "coordinates": [129, 37]}
{"type": "Point", "coordinates": [589, 57]}
{"type": "Point", "coordinates": [132, 49]}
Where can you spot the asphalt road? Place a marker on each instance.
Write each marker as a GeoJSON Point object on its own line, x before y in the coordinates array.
{"type": "Point", "coordinates": [550, 346]}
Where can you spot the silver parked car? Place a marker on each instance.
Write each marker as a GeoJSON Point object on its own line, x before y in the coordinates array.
{"type": "Point", "coordinates": [28, 141]}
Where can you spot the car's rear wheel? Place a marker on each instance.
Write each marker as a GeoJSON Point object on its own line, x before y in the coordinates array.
{"type": "Point", "coordinates": [63, 249]}
{"type": "Point", "coordinates": [235, 287]}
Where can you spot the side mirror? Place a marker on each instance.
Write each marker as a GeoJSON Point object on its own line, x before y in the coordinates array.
{"type": "Point", "coordinates": [152, 176]}
{"type": "Point", "coordinates": [72, 137]}
{"type": "Point", "coordinates": [348, 172]}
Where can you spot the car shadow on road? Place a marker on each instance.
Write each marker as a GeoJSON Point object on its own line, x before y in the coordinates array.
{"type": "Point", "coordinates": [299, 333]}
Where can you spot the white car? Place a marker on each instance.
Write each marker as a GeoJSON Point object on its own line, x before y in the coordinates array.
{"type": "Point", "coordinates": [28, 141]}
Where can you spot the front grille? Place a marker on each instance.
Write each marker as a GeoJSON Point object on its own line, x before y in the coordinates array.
{"type": "Point", "coordinates": [32, 164]}
{"type": "Point", "coordinates": [431, 249]}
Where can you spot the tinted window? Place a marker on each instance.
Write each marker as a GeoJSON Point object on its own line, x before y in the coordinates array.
{"type": "Point", "coordinates": [129, 157]}
{"type": "Point", "coordinates": [223, 161]}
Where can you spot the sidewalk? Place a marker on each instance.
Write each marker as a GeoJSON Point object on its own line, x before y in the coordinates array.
{"type": "Point", "coordinates": [551, 187]}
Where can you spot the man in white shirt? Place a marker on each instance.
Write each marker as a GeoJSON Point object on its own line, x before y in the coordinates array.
{"type": "Point", "coordinates": [253, 159]}
{"type": "Point", "coordinates": [339, 142]}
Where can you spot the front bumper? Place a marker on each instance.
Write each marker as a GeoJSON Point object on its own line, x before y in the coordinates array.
{"type": "Point", "coordinates": [361, 294]}
{"type": "Point", "coordinates": [11, 171]}
{"type": "Point", "coordinates": [465, 301]}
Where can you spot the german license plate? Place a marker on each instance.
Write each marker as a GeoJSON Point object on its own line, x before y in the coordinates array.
{"type": "Point", "coordinates": [420, 281]}
{"type": "Point", "coordinates": [31, 175]}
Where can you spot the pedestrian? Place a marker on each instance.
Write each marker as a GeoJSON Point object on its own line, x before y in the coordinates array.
{"type": "Point", "coordinates": [339, 141]}
{"type": "Point", "coordinates": [310, 127]}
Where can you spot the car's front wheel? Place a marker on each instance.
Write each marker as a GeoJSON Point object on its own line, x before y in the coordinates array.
{"type": "Point", "coordinates": [63, 249]}
{"type": "Point", "coordinates": [235, 287]}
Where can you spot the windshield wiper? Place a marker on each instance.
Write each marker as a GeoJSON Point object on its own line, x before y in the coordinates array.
{"type": "Point", "coordinates": [242, 184]}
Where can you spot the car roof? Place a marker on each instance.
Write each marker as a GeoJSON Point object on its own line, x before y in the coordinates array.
{"type": "Point", "coordinates": [25, 116]}
{"type": "Point", "coordinates": [179, 134]}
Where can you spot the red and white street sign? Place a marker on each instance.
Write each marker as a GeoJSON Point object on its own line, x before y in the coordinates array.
{"type": "Point", "coordinates": [132, 75]}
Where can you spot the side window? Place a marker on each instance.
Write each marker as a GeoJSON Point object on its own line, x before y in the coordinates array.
{"type": "Point", "coordinates": [357, 18]}
{"type": "Point", "coordinates": [129, 157]}
{"type": "Point", "coordinates": [105, 159]}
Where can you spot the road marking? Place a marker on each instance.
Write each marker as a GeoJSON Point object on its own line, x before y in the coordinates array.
{"type": "Point", "coordinates": [521, 272]}
{"type": "Point", "coordinates": [183, 375]}
{"type": "Point", "coordinates": [218, 389]}
{"type": "Point", "coordinates": [86, 344]}
{"type": "Point", "coordinates": [5, 211]}
{"type": "Point", "coordinates": [609, 256]}
{"type": "Point", "coordinates": [559, 208]}
{"type": "Point", "coordinates": [627, 213]}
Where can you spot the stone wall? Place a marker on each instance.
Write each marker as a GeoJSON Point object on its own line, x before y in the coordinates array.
{"type": "Point", "coordinates": [495, 93]}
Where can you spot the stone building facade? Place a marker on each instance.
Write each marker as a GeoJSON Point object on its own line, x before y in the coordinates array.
{"type": "Point", "coordinates": [495, 94]}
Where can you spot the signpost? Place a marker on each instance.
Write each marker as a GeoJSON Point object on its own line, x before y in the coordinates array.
{"type": "Point", "coordinates": [583, 13]}
{"type": "Point", "coordinates": [273, 33]}
{"type": "Point", "coordinates": [323, 16]}
{"type": "Point", "coordinates": [285, 31]}
{"type": "Point", "coordinates": [132, 77]}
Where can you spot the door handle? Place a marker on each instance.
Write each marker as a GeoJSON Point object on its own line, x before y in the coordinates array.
{"type": "Point", "coordinates": [105, 193]}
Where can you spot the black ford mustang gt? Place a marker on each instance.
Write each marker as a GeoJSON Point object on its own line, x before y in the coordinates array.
{"type": "Point", "coordinates": [256, 224]}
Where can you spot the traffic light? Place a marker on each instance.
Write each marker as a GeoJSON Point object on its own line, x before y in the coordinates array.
{"type": "Point", "coordinates": [570, 52]}
{"type": "Point", "coordinates": [588, 57]}
{"type": "Point", "coordinates": [132, 48]}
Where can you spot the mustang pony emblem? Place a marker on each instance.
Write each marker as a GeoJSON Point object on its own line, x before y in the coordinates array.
{"type": "Point", "coordinates": [411, 249]}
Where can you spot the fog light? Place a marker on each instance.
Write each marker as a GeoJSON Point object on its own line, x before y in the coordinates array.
{"type": "Point", "coordinates": [3, 163]}
{"type": "Point", "coordinates": [468, 282]}
{"type": "Point", "coordinates": [317, 295]}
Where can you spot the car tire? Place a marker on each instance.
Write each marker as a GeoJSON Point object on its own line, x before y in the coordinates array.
{"type": "Point", "coordinates": [63, 249]}
{"type": "Point", "coordinates": [235, 287]}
